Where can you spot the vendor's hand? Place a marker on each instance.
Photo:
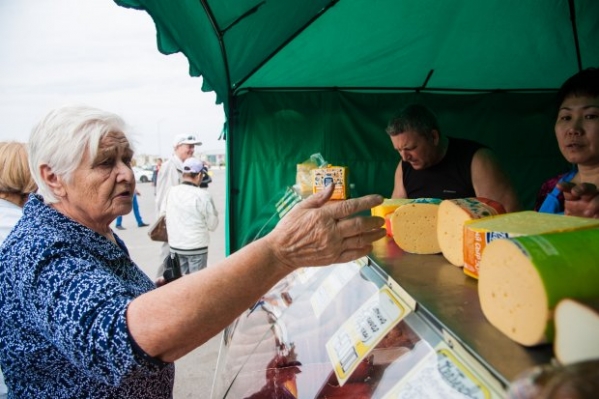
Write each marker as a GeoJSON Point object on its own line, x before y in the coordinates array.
{"type": "Point", "coordinates": [580, 199]}
{"type": "Point", "coordinates": [317, 233]}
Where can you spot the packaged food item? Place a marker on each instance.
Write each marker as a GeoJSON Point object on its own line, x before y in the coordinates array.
{"type": "Point", "coordinates": [480, 232]}
{"type": "Point", "coordinates": [337, 175]}
{"type": "Point", "coordinates": [303, 177]}
{"type": "Point", "coordinates": [453, 214]}
{"type": "Point", "coordinates": [522, 279]}
{"type": "Point", "coordinates": [414, 226]}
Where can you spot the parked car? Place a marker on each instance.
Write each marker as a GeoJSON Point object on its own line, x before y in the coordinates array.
{"type": "Point", "coordinates": [142, 175]}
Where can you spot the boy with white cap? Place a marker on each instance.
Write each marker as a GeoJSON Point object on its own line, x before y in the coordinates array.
{"type": "Point", "coordinates": [190, 216]}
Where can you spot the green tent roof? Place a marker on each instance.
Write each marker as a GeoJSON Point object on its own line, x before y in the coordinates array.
{"type": "Point", "coordinates": [434, 45]}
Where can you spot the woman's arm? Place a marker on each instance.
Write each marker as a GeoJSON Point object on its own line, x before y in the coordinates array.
{"type": "Point", "coordinates": [174, 319]}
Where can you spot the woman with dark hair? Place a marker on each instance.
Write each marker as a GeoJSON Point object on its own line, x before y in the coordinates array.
{"type": "Point", "coordinates": [577, 133]}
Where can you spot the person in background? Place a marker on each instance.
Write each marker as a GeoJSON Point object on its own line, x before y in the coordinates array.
{"type": "Point", "coordinates": [15, 185]}
{"type": "Point", "coordinates": [155, 173]}
{"type": "Point", "coordinates": [170, 176]}
{"type": "Point", "coordinates": [79, 319]}
{"type": "Point", "coordinates": [433, 165]}
{"type": "Point", "coordinates": [190, 216]}
{"type": "Point", "coordinates": [138, 218]}
{"type": "Point", "coordinates": [577, 134]}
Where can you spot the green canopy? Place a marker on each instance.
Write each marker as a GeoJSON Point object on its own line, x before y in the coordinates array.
{"type": "Point", "coordinates": [299, 77]}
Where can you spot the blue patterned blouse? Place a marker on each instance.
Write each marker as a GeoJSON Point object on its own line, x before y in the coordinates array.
{"type": "Point", "coordinates": [64, 291]}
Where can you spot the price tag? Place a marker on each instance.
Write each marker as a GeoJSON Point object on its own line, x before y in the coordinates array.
{"type": "Point", "coordinates": [356, 338]}
{"type": "Point", "coordinates": [441, 374]}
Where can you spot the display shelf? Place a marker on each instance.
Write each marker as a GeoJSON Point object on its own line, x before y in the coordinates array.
{"type": "Point", "coordinates": [281, 347]}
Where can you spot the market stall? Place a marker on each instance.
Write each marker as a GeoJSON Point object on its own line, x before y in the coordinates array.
{"type": "Point", "coordinates": [298, 78]}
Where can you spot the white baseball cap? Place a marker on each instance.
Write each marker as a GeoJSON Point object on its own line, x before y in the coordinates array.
{"type": "Point", "coordinates": [193, 165]}
{"type": "Point", "coordinates": [186, 139]}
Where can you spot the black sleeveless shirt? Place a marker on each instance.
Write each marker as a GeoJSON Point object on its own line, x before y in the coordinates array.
{"type": "Point", "coordinates": [450, 178]}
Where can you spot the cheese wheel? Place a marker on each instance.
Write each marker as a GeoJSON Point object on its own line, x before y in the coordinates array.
{"type": "Point", "coordinates": [414, 226]}
{"type": "Point", "coordinates": [522, 280]}
{"type": "Point", "coordinates": [386, 209]}
{"type": "Point", "coordinates": [576, 330]}
{"type": "Point", "coordinates": [479, 233]}
{"type": "Point", "coordinates": [453, 213]}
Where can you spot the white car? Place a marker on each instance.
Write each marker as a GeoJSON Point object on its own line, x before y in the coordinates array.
{"type": "Point", "coordinates": [142, 175]}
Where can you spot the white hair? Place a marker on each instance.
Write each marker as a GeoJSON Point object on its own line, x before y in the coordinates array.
{"type": "Point", "coordinates": [61, 138]}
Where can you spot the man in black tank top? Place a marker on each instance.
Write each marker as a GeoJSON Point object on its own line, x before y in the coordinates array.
{"type": "Point", "coordinates": [436, 166]}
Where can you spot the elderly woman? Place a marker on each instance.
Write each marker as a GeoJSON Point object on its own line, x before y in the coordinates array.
{"type": "Point", "coordinates": [577, 133]}
{"type": "Point", "coordinates": [79, 319]}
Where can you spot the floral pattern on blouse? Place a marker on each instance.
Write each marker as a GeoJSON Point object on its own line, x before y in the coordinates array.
{"type": "Point", "coordinates": [64, 291]}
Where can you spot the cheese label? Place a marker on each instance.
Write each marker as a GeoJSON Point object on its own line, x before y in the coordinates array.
{"type": "Point", "coordinates": [356, 338]}
{"type": "Point", "coordinates": [441, 375]}
{"type": "Point", "coordinates": [453, 214]}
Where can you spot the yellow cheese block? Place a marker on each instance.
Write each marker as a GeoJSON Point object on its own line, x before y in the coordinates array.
{"type": "Point", "coordinates": [386, 209]}
{"type": "Point", "coordinates": [453, 213]}
{"type": "Point", "coordinates": [414, 226]}
{"type": "Point", "coordinates": [388, 206]}
{"type": "Point", "coordinates": [523, 279]}
{"type": "Point", "coordinates": [479, 233]}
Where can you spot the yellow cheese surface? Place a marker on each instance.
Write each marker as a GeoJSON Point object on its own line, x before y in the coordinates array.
{"type": "Point", "coordinates": [453, 214]}
{"type": "Point", "coordinates": [414, 226]}
{"type": "Point", "coordinates": [479, 233]}
{"type": "Point", "coordinates": [388, 206]}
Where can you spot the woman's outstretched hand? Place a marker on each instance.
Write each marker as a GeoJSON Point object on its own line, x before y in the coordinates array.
{"type": "Point", "coordinates": [318, 232]}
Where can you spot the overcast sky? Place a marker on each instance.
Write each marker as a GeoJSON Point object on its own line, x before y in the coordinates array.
{"type": "Point", "coordinates": [55, 52]}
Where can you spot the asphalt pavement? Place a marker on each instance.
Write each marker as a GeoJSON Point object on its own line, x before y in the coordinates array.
{"type": "Point", "coordinates": [195, 371]}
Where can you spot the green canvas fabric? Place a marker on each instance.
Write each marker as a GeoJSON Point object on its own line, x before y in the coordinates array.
{"type": "Point", "coordinates": [276, 131]}
{"type": "Point", "coordinates": [325, 75]}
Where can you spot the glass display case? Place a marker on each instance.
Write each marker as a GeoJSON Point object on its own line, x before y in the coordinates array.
{"type": "Point", "coordinates": [392, 325]}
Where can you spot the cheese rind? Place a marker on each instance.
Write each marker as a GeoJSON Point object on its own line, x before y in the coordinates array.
{"type": "Point", "coordinates": [479, 233]}
{"type": "Point", "coordinates": [453, 214]}
{"type": "Point", "coordinates": [414, 226]}
{"type": "Point", "coordinates": [522, 280]}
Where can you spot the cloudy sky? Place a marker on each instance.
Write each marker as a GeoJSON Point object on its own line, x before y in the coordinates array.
{"type": "Point", "coordinates": [55, 52]}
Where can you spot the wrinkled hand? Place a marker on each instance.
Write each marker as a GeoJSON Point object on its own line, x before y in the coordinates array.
{"type": "Point", "coordinates": [580, 199]}
{"type": "Point", "coordinates": [319, 233]}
